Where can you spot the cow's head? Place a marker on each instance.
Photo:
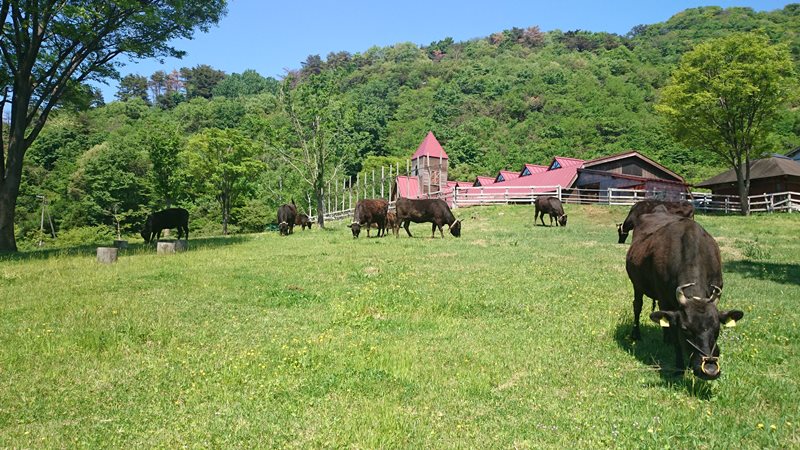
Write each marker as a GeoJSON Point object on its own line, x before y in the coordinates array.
{"type": "Point", "coordinates": [283, 228]}
{"type": "Point", "coordinates": [455, 228]}
{"type": "Point", "coordinates": [623, 235]}
{"type": "Point", "coordinates": [697, 323]}
{"type": "Point", "coordinates": [147, 229]}
{"type": "Point", "coordinates": [562, 220]}
{"type": "Point", "coordinates": [355, 227]}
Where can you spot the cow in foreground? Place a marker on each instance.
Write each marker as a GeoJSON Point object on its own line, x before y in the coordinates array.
{"type": "Point", "coordinates": [165, 219]}
{"type": "Point", "coordinates": [551, 206]}
{"type": "Point", "coordinates": [369, 211]}
{"type": "Point", "coordinates": [674, 261]}
{"type": "Point", "coordinates": [303, 220]}
{"type": "Point", "coordinates": [434, 211]}
{"type": "Point", "coordinates": [287, 215]}
{"type": "Point", "coordinates": [681, 208]}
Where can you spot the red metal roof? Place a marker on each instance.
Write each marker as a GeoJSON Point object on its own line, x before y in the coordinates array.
{"type": "Point", "coordinates": [484, 181]}
{"type": "Point", "coordinates": [563, 176]}
{"type": "Point", "coordinates": [532, 169]}
{"type": "Point", "coordinates": [506, 176]}
{"type": "Point", "coordinates": [408, 187]}
{"type": "Point", "coordinates": [430, 147]}
{"type": "Point", "coordinates": [465, 183]}
{"type": "Point", "coordinates": [565, 162]}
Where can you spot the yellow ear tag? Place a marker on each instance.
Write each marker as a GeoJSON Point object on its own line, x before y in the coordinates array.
{"type": "Point", "coordinates": [664, 322]}
{"type": "Point", "coordinates": [730, 323]}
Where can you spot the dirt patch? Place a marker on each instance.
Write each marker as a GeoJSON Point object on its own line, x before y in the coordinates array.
{"type": "Point", "coordinates": [729, 249]}
{"type": "Point", "coordinates": [480, 243]}
{"type": "Point", "coordinates": [511, 382]}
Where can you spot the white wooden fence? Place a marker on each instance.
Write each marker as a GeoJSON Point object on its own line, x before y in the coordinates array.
{"type": "Point", "coordinates": [493, 195]}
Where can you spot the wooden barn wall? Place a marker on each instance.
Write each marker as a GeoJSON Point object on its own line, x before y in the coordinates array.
{"type": "Point", "coordinates": [761, 186]}
{"type": "Point", "coordinates": [423, 168]}
{"type": "Point", "coordinates": [635, 167]}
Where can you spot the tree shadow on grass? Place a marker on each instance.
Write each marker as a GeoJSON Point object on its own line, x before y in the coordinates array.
{"type": "Point", "coordinates": [133, 249]}
{"type": "Point", "coordinates": [777, 272]}
{"type": "Point", "coordinates": [659, 356]}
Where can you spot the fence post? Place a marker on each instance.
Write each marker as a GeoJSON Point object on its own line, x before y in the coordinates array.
{"type": "Point", "coordinates": [480, 200]}
{"type": "Point", "coordinates": [726, 204]}
{"type": "Point", "coordinates": [558, 191]}
{"type": "Point", "coordinates": [373, 183]}
{"type": "Point", "coordinates": [383, 180]}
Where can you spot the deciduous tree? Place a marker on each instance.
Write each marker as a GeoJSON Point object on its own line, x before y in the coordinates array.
{"type": "Point", "coordinates": [48, 46]}
{"type": "Point", "coordinates": [725, 96]}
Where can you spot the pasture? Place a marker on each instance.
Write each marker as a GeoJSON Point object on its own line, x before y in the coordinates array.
{"type": "Point", "coordinates": [511, 336]}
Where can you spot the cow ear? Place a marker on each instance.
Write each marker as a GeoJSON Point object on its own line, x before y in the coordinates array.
{"type": "Point", "coordinates": [663, 318]}
{"type": "Point", "coordinates": [729, 318]}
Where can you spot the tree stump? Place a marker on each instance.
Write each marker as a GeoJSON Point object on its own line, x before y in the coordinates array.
{"type": "Point", "coordinates": [106, 255]}
{"type": "Point", "coordinates": [169, 247]}
{"type": "Point", "coordinates": [120, 244]}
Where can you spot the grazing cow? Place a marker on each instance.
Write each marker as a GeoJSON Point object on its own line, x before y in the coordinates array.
{"type": "Point", "coordinates": [391, 222]}
{"type": "Point", "coordinates": [161, 220]}
{"type": "Point", "coordinates": [303, 220]}
{"type": "Point", "coordinates": [675, 261]}
{"type": "Point", "coordinates": [369, 211]}
{"type": "Point", "coordinates": [434, 211]}
{"type": "Point", "coordinates": [551, 206]}
{"type": "Point", "coordinates": [287, 215]}
{"type": "Point", "coordinates": [682, 208]}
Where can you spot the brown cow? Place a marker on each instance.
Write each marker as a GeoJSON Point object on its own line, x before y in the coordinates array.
{"type": "Point", "coordinates": [370, 211]}
{"type": "Point", "coordinates": [303, 221]}
{"type": "Point", "coordinates": [391, 222]}
{"type": "Point", "coordinates": [434, 211]}
{"type": "Point", "coordinates": [551, 206]}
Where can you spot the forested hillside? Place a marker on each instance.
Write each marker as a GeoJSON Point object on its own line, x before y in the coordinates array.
{"type": "Point", "coordinates": [517, 96]}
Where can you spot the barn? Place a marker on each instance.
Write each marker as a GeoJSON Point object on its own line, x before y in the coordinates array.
{"type": "Point", "coordinates": [629, 170]}
{"type": "Point", "coordinates": [767, 176]}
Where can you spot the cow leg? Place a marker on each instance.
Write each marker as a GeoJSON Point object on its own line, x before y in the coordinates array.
{"type": "Point", "coordinates": [405, 225]}
{"type": "Point", "coordinates": [637, 311]}
{"type": "Point", "coordinates": [433, 230]}
{"type": "Point", "coordinates": [680, 366]}
{"type": "Point", "coordinates": [441, 233]}
{"type": "Point", "coordinates": [541, 217]}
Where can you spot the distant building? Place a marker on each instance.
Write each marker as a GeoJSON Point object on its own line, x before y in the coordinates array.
{"type": "Point", "coordinates": [630, 170]}
{"type": "Point", "coordinates": [767, 176]}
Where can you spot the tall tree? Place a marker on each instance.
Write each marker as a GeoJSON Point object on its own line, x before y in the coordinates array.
{"type": "Point", "coordinates": [49, 45]}
{"type": "Point", "coordinates": [200, 80]}
{"type": "Point", "coordinates": [221, 163]}
{"type": "Point", "coordinates": [322, 137]}
{"type": "Point", "coordinates": [132, 86]}
{"type": "Point", "coordinates": [724, 98]}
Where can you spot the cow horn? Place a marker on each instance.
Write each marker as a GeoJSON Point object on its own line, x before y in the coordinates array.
{"type": "Point", "coordinates": [715, 294]}
{"type": "Point", "coordinates": [680, 295]}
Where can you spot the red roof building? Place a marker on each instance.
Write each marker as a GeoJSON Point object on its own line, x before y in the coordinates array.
{"type": "Point", "coordinates": [483, 181]}
{"type": "Point", "coordinates": [506, 175]}
{"type": "Point", "coordinates": [531, 169]}
{"type": "Point", "coordinates": [431, 147]}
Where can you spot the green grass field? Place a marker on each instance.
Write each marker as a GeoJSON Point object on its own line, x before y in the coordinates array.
{"type": "Point", "coordinates": [512, 336]}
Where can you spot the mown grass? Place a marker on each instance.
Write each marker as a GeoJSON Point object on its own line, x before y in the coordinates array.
{"type": "Point", "coordinates": [512, 336]}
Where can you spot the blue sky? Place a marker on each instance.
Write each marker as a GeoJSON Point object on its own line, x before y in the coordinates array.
{"type": "Point", "coordinates": [272, 36]}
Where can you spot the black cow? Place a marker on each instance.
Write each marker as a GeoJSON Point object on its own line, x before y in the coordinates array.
{"type": "Point", "coordinates": [682, 208]}
{"type": "Point", "coordinates": [165, 219]}
{"type": "Point", "coordinates": [551, 206]}
{"type": "Point", "coordinates": [675, 261]}
{"type": "Point", "coordinates": [369, 211]}
{"type": "Point", "coordinates": [434, 211]}
{"type": "Point", "coordinates": [287, 215]}
{"type": "Point", "coordinates": [303, 221]}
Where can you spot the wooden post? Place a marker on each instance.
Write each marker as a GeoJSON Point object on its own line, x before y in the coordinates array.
{"type": "Point", "coordinates": [383, 180]}
{"type": "Point", "coordinates": [358, 179]}
{"type": "Point", "coordinates": [119, 243]}
{"type": "Point", "coordinates": [350, 196]}
{"type": "Point", "coordinates": [391, 183]}
{"type": "Point", "coordinates": [408, 167]}
{"type": "Point", "coordinates": [107, 255]}
{"type": "Point", "coordinates": [373, 183]}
